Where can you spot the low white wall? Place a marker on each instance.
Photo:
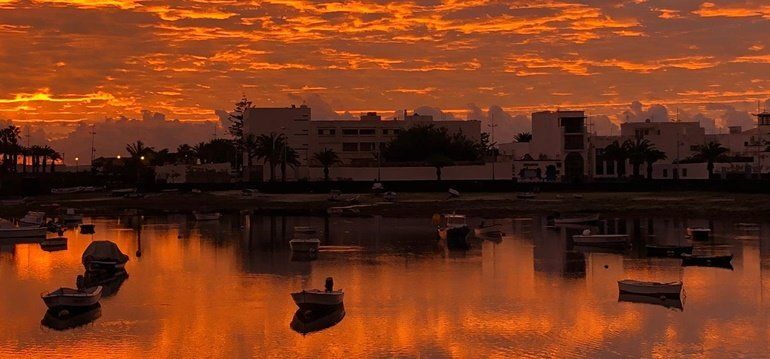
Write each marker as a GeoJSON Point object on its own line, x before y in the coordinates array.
{"type": "Point", "coordinates": [502, 171]}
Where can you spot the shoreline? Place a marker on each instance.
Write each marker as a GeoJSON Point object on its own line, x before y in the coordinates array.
{"type": "Point", "coordinates": [488, 205]}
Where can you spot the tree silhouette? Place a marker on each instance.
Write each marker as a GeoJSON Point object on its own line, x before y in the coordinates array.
{"type": "Point", "coordinates": [710, 152]}
{"type": "Point", "coordinates": [327, 158]}
{"type": "Point", "coordinates": [523, 137]}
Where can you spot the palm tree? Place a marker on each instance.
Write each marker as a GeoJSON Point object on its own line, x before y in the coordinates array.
{"type": "Point", "coordinates": [523, 137]}
{"type": "Point", "coordinates": [36, 152]}
{"type": "Point", "coordinates": [185, 153]}
{"type": "Point", "coordinates": [327, 158]}
{"type": "Point", "coordinates": [46, 152]}
{"type": "Point", "coordinates": [250, 145]}
{"type": "Point", "coordinates": [269, 149]}
{"type": "Point", "coordinates": [653, 155]}
{"type": "Point", "coordinates": [636, 152]}
{"type": "Point", "coordinates": [54, 156]}
{"type": "Point", "coordinates": [200, 151]}
{"type": "Point", "coordinates": [439, 161]}
{"type": "Point", "coordinates": [710, 152]}
{"type": "Point", "coordinates": [618, 153]}
{"type": "Point", "coordinates": [289, 157]}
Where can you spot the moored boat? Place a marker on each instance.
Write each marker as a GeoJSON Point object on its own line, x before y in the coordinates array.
{"type": "Point", "coordinates": [32, 219]}
{"type": "Point", "coordinates": [453, 228]}
{"type": "Point", "coordinates": [723, 260]}
{"type": "Point", "coordinates": [588, 239]}
{"type": "Point", "coordinates": [54, 243]}
{"type": "Point", "coordinates": [580, 219]}
{"type": "Point", "coordinates": [488, 230]}
{"type": "Point", "coordinates": [319, 299]}
{"type": "Point", "coordinates": [71, 216]}
{"type": "Point", "coordinates": [208, 216]}
{"type": "Point", "coordinates": [305, 240]}
{"type": "Point", "coordinates": [69, 297]}
{"type": "Point", "coordinates": [699, 233]}
{"type": "Point", "coordinates": [87, 228]}
{"type": "Point", "coordinates": [9, 230]}
{"type": "Point", "coordinates": [667, 250]}
{"type": "Point", "coordinates": [670, 289]}
{"type": "Point", "coordinates": [103, 255]}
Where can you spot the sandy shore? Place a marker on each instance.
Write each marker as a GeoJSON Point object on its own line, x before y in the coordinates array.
{"type": "Point", "coordinates": [491, 205]}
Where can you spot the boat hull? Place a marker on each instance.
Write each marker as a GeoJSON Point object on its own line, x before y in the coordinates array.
{"type": "Point", "coordinates": [72, 299]}
{"type": "Point", "coordinates": [708, 261]}
{"type": "Point", "coordinates": [650, 288]}
{"type": "Point", "coordinates": [613, 240]}
{"type": "Point", "coordinates": [304, 245]}
{"type": "Point", "coordinates": [667, 251]}
{"type": "Point", "coordinates": [23, 232]}
{"type": "Point", "coordinates": [317, 300]}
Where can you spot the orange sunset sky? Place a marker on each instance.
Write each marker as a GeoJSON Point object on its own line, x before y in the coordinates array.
{"type": "Point", "coordinates": [65, 64]}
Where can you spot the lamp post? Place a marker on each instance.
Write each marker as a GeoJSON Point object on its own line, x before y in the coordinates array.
{"type": "Point", "coordinates": [76, 164]}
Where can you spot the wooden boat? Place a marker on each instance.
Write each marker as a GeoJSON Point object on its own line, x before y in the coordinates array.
{"type": "Point", "coordinates": [68, 318]}
{"type": "Point", "coordinates": [32, 219]}
{"type": "Point", "coordinates": [670, 289]}
{"type": "Point", "coordinates": [698, 233]}
{"type": "Point", "coordinates": [316, 298]}
{"type": "Point", "coordinates": [671, 303]}
{"type": "Point", "coordinates": [454, 229]}
{"type": "Point", "coordinates": [588, 239]}
{"type": "Point", "coordinates": [488, 230]}
{"type": "Point", "coordinates": [209, 216]}
{"type": "Point", "coordinates": [707, 260]}
{"type": "Point", "coordinates": [308, 321]}
{"type": "Point", "coordinates": [667, 250]}
{"type": "Point", "coordinates": [305, 240]}
{"type": "Point", "coordinates": [54, 244]}
{"type": "Point", "coordinates": [71, 216]}
{"type": "Point", "coordinates": [70, 298]}
{"type": "Point", "coordinates": [88, 228]}
{"type": "Point", "coordinates": [526, 195]}
{"type": "Point", "coordinates": [103, 256]}
{"type": "Point", "coordinates": [577, 219]}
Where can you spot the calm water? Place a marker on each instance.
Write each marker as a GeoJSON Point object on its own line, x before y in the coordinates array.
{"type": "Point", "coordinates": [222, 290]}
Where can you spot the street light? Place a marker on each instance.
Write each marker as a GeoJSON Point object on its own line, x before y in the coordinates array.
{"type": "Point", "coordinates": [76, 163]}
{"type": "Point", "coordinates": [118, 156]}
{"type": "Point", "coordinates": [141, 158]}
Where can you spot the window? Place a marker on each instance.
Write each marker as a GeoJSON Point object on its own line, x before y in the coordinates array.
{"type": "Point", "coordinates": [665, 173]}
{"type": "Point", "coordinates": [326, 131]}
{"type": "Point", "coordinates": [572, 142]}
{"type": "Point", "coordinates": [349, 131]}
{"type": "Point", "coordinates": [349, 147]}
{"type": "Point", "coordinates": [366, 146]}
{"type": "Point", "coordinates": [684, 172]}
{"type": "Point", "coordinates": [366, 132]}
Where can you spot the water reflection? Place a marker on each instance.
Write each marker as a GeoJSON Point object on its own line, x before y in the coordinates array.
{"type": "Point", "coordinates": [308, 321]}
{"type": "Point", "coordinates": [63, 319]}
{"type": "Point", "coordinates": [221, 290]}
{"type": "Point", "coordinates": [668, 302]}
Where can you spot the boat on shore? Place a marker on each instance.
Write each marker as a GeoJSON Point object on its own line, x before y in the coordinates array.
{"type": "Point", "coordinates": [453, 228]}
{"type": "Point", "coordinates": [706, 260]}
{"type": "Point", "coordinates": [315, 299]}
{"type": "Point", "coordinates": [305, 240]}
{"type": "Point", "coordinates": [667, 250]}
{"type": "Point", "coordinates": [698, 233]}
{"type": "Point", "coordinates": [72, 298]}
{"type": "Point", "coordinates": [669, 289]}
{"type": "Point", "coordinates": [588, 239]}
{"type": "Point", "coordinates": [207, 216]}
{"type": "Point", "coordinates": [580, 219]}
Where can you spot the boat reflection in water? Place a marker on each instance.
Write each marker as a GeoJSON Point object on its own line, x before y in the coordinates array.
{"type": "Point", "coordinates": [110, 281]}
{"type": "Point", "coordinates": [303, 256]}
{"type": "Point", "coordinates": [308, 321]}
{"type": "Point", "coordinates": [63, 319]}
{"type": "Point", "coordinates": [668, 302]}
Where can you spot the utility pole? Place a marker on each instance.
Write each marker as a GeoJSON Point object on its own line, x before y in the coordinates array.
{"type": "Point", "coordinates": [93, 149]}
{"type": "Point", "coordinates": [492, 126]}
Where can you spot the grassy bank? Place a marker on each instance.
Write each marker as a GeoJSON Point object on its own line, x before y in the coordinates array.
{"type": "Point", "coordinates": [674, 204]}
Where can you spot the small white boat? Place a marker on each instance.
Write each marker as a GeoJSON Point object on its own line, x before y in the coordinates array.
{"type": "Point", "coordinates": [315, 298]}
{"type": "Point", "coordinates": [588, 239]}
{"type": "Point", "coordinates": [698, 233]}
{"type": "Point", "coordinates": [488, 230]}
{"type": "Point", "coordinates": [577, 220]}
{"type": "Point", "coordinates": [670, 289]}
{"type": "Point", "coordinates": [305, 240]}
{"type": "Point", "coordinates": [71, 216]}
{"type": "Point", "coordinates": [209, 216]}
{"type": "Point", "coordinates": [68, 297]}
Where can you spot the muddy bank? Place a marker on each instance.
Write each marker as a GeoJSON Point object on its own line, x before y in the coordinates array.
{"type": "Point", "coordinates": [491, 205]}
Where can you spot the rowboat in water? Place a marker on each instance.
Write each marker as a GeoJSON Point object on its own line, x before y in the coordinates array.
{"type": "Point", "coordinates": [488, 230]}
{"type": "Point", "coordinates": [707, 260]}
{"type": "Point", "coordinates": [319, 299]}
{"type": "Point", "coordinates": [54, 244]}
{"type": "Point", "coordinates": [69, 297]}
{"type": "Point", "coordinates": [305, 240]}
{"type": "Point", "coordinates": [9, 230]}
{"type": "Point", "coordinates": [670, 289]}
